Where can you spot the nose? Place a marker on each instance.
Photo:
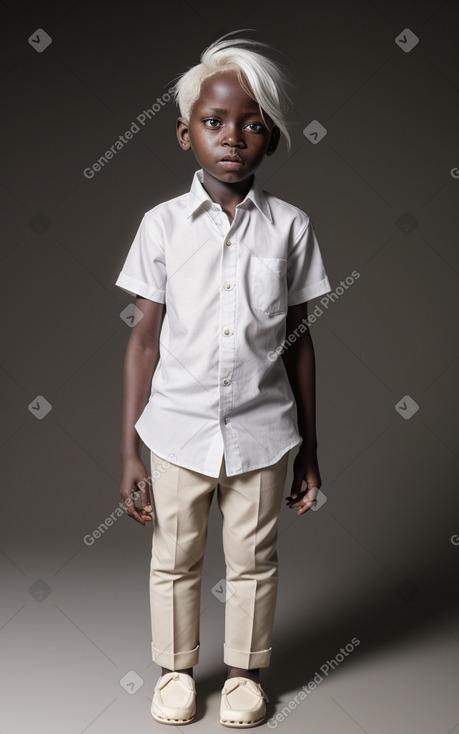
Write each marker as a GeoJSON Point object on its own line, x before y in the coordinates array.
{"type": "Point", "coordinates": [232, 137]}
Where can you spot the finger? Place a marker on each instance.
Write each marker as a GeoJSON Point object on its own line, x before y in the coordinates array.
{"type": "Point", "coordinates": [311, 495]}
{"type": "Point", "coordinates": [309, 500]}
{"type": "Point", "coordinates": [131, 509]}
{"type": "Point", "coordinates": [146, 518]}
{"type": "Point", "coordinates": [295, 501]}
{"type": "Point", "coordinates": [297, 496]}
{"type": "Point", "coordinates": [297, 487]}
{"type": "Point", "coordinates": [303, 509]}
{"type": "Point", "coordinates": [307, 494]}
{"type": "Point", "coordinates": [145, 501]}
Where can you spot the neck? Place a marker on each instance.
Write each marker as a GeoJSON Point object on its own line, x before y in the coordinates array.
{"type": "Point", "coordinates": [228, 195]}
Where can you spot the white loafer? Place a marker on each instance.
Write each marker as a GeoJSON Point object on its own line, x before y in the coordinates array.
{"type": "Point", "coordinates": [242, 703]}
{"type": "Point", "coordinates": [174, 699]}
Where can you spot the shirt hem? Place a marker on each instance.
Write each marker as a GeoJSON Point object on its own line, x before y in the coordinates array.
{"type": "Point", "coordinates": [184, 465]}
{"type": "Point", "coordinates": [274, 461]}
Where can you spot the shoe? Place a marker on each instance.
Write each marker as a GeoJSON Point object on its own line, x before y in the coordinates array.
{"type": "Point", "coordinates": [242, 703]}
{"type": "Point", "coordinates": [174, 699]}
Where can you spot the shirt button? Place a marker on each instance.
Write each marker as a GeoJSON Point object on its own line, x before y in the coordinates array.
{"type": "Point", "coordinates": [226, 381]}
{"type": "Point", "coordinates": [226, 420]}
{"type": "Point", "coordinates": [227, 332]}
{"type": "Point", "coordinates": [214, 208]}
{"type": "Point", "coordinates": [228, 242]}
{"type": "Point", "coordinates": [228, 286]}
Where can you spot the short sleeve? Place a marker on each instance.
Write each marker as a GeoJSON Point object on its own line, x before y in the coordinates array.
{"type": "Point", "coordinates": [306, 276]}
{"type": "Point", "coordinates": [144, 271]}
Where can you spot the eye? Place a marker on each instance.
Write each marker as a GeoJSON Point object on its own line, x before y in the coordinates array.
{"type": "Point", "coordinates": [255, 126]}
{"type": "Point", "coordinates": [210, 122]}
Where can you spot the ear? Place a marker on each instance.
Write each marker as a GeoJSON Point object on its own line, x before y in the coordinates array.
{"type": "Point", "coordinates": [183, 135]}
{"type": "Point", "coordinates": [274, 140]}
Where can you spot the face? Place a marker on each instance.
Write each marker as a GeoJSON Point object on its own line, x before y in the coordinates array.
{"type": "Point", "coordinates": [226, 130]}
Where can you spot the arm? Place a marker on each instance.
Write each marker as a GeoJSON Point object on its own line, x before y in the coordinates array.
{"type": "Point", "coordinates": [142, 354]}
{"type": "Point", "coordinates": [299, 362]}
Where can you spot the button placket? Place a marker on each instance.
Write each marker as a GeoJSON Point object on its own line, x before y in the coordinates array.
{"type": "Point", "coordinates": [227, 321]}
{"type": "Point", "coordinates": [219, 220]}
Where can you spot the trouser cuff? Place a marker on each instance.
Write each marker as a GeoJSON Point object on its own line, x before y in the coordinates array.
{"type": "Point", "coordinates": [246, 660]}
{"type": "Point", "coordinates": [175, 661]}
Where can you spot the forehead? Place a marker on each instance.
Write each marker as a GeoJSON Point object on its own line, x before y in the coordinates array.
{"type": "Point", "coordinates": [223, 89]}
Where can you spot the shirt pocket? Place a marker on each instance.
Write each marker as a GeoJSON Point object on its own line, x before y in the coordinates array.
{"type": "Point", "coordinates": [268, 285]}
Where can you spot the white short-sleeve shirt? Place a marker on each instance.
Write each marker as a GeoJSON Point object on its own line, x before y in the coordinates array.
{"type": "Point", "coordinates": [227, 286]}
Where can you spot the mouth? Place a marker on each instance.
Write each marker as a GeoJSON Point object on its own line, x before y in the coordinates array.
{"type": "Point", "coordinates": [232, 161]}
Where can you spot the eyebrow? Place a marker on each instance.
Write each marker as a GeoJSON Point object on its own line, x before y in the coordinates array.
{"type": "Point", "coordinates": [221, 111]}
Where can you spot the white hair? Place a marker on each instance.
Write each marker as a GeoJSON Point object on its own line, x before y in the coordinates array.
{"type": "Point", "coordinates": [261, 78]}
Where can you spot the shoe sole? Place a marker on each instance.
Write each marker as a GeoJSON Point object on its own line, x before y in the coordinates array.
{"type": "Point", "coordinates": [242, 724]}
{"type": "Point", "coordinates": [173, 722]}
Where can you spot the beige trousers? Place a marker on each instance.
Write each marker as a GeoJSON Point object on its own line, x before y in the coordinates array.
{"type": "Point", "coordinates": [250, 504]}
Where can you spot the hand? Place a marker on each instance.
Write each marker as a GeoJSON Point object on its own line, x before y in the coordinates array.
{"type": "Point", "coordinates": [134, 484]}
{"type": "Point", "coordinates": [305, 472]}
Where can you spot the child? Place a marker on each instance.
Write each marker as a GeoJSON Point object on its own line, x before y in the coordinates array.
{"type": "Point", "coordinates": [234, 268]}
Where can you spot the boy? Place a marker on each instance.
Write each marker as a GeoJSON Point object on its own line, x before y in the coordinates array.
{"type": "Point", "coordinates": [234, 266]}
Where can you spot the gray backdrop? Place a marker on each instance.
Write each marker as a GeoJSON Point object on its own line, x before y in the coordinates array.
{"type": "Point", "coordinates": [378, 560]}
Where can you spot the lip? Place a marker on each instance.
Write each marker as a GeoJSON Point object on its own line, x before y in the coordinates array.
{"type": "Point", "coordinates": [236, 163]}
{"type": "Point", "coordinates": [234, 157]}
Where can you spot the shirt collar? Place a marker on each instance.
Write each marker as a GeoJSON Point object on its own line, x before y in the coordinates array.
{"type": "Point", "coordinates": [198, 197]}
